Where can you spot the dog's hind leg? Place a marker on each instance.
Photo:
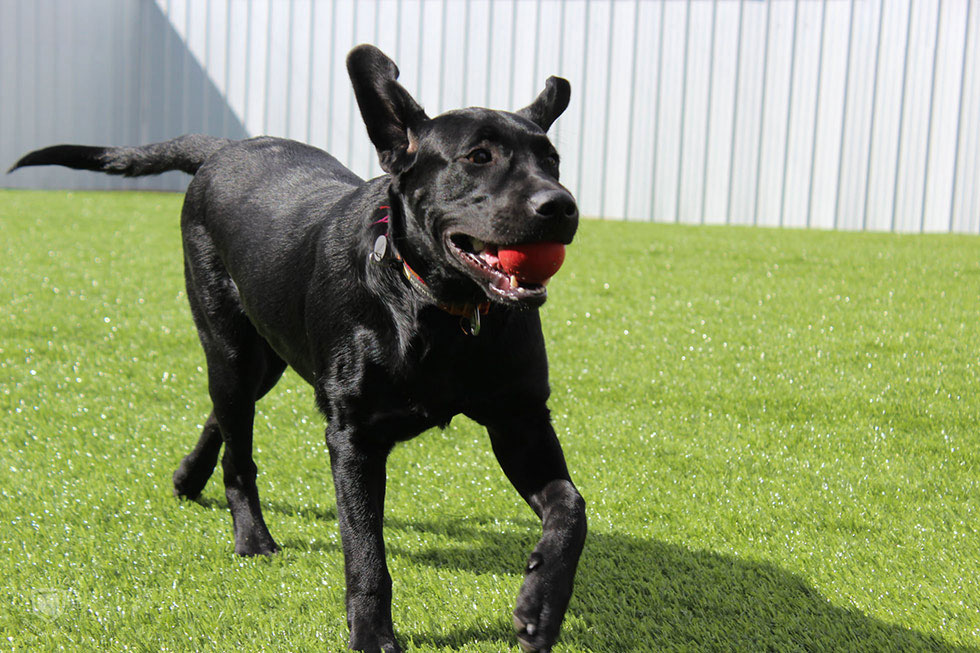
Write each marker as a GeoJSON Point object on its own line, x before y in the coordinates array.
{"type": "Point", "coordinates": [196, 467]}
{"type": "Point", "coordinates": [242, 367]}
{"type": "Point", "coordinates": [234, 391]}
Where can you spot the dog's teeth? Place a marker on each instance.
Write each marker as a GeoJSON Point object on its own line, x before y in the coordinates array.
{"type": "Point", "coordinates": [513, 282]}
{"type": "Point", "coordinates": [478, 245]}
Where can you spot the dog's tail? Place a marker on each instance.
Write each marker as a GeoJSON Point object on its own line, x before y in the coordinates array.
{"type": "Point", "coordinates": [186, 153]}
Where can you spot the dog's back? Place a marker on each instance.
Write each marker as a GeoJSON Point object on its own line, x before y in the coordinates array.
{"type": "Point", "coordinates": [267, 193]}
{"type": "Point", "coordinates": [258, 216]}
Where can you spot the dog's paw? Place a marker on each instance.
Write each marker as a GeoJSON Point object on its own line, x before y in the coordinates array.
{"type": "Point", "coordinates": [371, 644]}
{"type": "Point", "coordinates": [525, 637]}
{"type": "Point", "coordinates": [260, 545]}
{"type": "Point", "coordinates": [249, 552]}
{"type": "Point", "coordinates": [182, 492]}
{"type": "Point", "coordinates": [188, 483]}
{"type": "Point", "coordinates": [540, 605]}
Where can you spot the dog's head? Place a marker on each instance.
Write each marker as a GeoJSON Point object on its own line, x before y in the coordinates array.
{"type": "Point", "coordinates": [467, 183]}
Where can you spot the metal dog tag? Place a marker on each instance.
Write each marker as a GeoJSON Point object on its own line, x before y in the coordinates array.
{"type": "Point", "coordinates": [471, 325]}
{"type": "Point", "coordinates": [380, 248]}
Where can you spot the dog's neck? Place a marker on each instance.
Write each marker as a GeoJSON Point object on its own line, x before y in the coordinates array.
{"type": "Point", "coordinates": [384, 251]}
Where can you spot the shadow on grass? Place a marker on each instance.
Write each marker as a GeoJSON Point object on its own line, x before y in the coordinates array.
{"type": "Point", "coordinates": [633, 594]}
{"type": "Point", "coordinates": [307, 512]}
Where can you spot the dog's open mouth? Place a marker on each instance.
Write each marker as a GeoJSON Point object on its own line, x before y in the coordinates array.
{"type": "Point", "coordinates": [480, 260]}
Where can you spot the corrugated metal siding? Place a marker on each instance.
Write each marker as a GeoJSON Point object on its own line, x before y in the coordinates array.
{"type": "Point", "coordinates": [857, 114]}
{"type": "Point", "coordinates": [99, 72]}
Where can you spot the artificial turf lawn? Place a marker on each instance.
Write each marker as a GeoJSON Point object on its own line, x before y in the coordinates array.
{"type": "Point", "coordinates": [775, 432]}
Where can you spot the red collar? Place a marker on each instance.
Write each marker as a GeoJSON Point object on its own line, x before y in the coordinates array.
{"type": "Point", "coordinates": [470, 313]}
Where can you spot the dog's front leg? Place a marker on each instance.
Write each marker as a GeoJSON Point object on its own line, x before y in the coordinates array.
{"type": "Point", "coordinates": [532, 459]}
{"type": "Point", "coordinates": [359, 477]}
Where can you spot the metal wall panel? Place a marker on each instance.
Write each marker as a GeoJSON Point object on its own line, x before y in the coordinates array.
{"type": "Point", "coordinates": [112, 72]}
{"type": "Point", "coordinates": [854, 114]}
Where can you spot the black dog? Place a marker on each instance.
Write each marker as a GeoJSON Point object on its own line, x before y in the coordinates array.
{"type": "Point", "coordinates": [291, 259]}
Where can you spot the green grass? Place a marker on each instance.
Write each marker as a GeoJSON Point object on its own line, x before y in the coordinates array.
{"type": "Point", "coordinates": [775, 431]}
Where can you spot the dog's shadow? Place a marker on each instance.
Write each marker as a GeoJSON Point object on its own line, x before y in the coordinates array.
{"type": "Point", "coordinates": [635, 594]}
{"type": "Point", "coordinates": [286, 509]}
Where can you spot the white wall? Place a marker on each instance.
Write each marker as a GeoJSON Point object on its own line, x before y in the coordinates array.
{"type": "Point", "coordinates": [830, 113]}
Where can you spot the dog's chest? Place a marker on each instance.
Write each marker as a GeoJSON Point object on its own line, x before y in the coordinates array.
{"type": "Point", "coordinates": [440, 384]}
{"type": "Point", "coordinates": [395, 396]}
{"type": "Point", "coordinates": [396, 388]}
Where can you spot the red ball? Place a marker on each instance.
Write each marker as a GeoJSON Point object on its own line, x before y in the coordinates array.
{"type": "Point", "coordinates": [532, 262]}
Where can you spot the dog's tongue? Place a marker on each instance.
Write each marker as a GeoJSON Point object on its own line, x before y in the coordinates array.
{"type": "Point", "coordinates": [532, 262]}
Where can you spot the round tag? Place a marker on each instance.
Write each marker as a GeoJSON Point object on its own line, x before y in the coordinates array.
{"type": "Point", "coordinates": [380, 248]}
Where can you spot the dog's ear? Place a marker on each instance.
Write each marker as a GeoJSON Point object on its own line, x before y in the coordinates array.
{"type": "Point", "coordinates": [550, 104]}
{"type": "Point", "coordinates": [391, 115]}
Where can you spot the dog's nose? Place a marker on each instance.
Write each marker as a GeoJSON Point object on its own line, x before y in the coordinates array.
{"type": "Point", "coordinates": [554, 203]}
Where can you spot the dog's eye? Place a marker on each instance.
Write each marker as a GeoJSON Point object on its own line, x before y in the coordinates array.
{"type": "Point", "coordinates": [551, 160]}
{"type": "Point", "coordinates": [480, 156]}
